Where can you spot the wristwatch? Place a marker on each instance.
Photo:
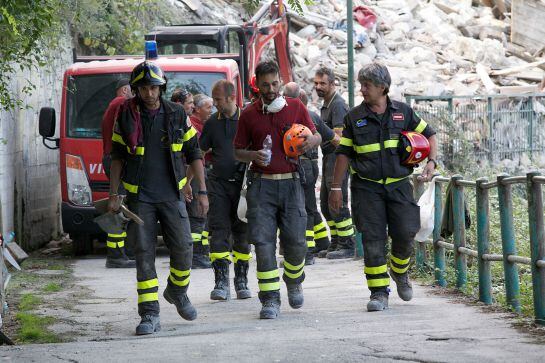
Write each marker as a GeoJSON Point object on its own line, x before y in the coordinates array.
{"type": "Point", "coordinates": [202, 192]}
{"type": "Point", "coordinates": [434, 163]}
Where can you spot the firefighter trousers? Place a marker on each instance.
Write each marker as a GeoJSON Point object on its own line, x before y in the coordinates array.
{"type": "Point", "coordinates": [272, 205]}
{"type": "Point", "coordinates": [227, 231]}
{"type": "Point", "coordinates": [379, 213]}
{"type": "Point", "coordinates": [316, 233]}
{"type": "Point", "coordinates": [115, 242]}
{"type": "Point", "coordinates": [177, 236]}
{"type": "Point", "coordinates": [340, 224]}
{"type": "Point", "coordinates": [198, 224]}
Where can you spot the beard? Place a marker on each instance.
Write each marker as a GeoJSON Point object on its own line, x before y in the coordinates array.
{"type": "Point", "coordinates": [269, 97]}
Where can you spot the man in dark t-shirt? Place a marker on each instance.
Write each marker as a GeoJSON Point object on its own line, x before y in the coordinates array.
{"type": "Point", "coordinates": [340, 223]}
{"type": "Point", "coordinates": [316, 233]}
{"type": "Point", "coordinates": [227, 232]}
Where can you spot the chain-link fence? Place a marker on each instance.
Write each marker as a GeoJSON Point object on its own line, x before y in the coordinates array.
{"type": "Point", "coordinates": [492, 127]}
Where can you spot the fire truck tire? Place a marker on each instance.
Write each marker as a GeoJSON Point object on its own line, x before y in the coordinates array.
{"type": "Point", "coordinates": [82, 244]}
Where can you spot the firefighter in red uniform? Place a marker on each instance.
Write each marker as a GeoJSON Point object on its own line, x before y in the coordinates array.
{"type": "Point", "coordinates": [275, 195]}
{"type": "Point", "coordinates": [191, 189]}
{"type": "Point", "coordinates": [382, 197]}
{"type": "Point", "coordinates": [116, 256]}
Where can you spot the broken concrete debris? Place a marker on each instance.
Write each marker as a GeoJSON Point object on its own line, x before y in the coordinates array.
{"type": "Point", "coordinates": [440, 47]}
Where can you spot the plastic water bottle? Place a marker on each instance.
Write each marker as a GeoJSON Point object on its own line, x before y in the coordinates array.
{"type": "Point", "coordinates": [9, 238]}
{"type": "Point", "coordinates": [267, 146]}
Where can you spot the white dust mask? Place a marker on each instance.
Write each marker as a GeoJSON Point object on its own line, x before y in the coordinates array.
{"type": "Point", "coordinates": [275, 106]}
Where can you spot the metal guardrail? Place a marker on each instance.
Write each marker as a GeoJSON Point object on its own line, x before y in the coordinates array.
{"type": "Point", "coordinates": [490, 127]}
{"type": "Point", "coordinates": [509, 255]}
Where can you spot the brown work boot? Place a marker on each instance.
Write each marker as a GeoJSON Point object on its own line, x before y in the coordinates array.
{"type": "Point", "coordinates": [378, 301]}
{"type": "Point", "coordinates": [295, 295]}
{"type": "Point", "coordinates": [241, 280]}
{"type": "Point", "coordinates": [404, 286]}
{"type": "Point", "coordinates": [181, 301]}
{"type": "Point", "coordinates": [270, 304]}
{"type": "Point", "coordinates": [221, 278]}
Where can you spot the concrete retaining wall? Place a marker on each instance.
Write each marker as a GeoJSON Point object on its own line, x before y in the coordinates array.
{"type": "Point", "coordinates": [29, 175]}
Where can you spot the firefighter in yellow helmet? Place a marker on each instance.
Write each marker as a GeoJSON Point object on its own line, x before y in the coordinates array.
{"type": "Point", "coordinates": [151, 136]}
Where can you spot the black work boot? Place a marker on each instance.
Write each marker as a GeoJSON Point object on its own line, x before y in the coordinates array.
{"type": "Point", "coordinates": [309, 257]}
{"type": "Point", "coordinates": [378, 301]}
{"type": "Point", "coordinates": [148, 325]}
{"type": "Point", "coordinates": [332, 247]}
{"type": "Point", "coordinates": [404, 286]}
{"type": "Point", "coordinates": [270, 304]}
{"type": "Point", "coordinates": [200, 257]}
{"type": "Point", "coordinates": [241, 280]}
{"type": "Point", "coordinates": [116, 258]}
{"type": "Point", "coordinates": [295, 295]}
{"type": "Point", "coordinates": [182, 303]}
{"type": "Point", "coordinates": [221, 277]}
{"type": "Point", "coordinates": [344, 250]}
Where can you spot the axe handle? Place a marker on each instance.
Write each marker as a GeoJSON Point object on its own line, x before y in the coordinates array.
{"type": "Point", "coordinates": [132, 215]}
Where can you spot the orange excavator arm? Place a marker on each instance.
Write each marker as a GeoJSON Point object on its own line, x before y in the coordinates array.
{"type": "Point", "coordinates": [276, 29]}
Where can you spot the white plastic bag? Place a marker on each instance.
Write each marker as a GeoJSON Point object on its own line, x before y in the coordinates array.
{"type": "Point", "coordinates": [242, 206]}
{"type": "Point", "coordinates": [427, 212]}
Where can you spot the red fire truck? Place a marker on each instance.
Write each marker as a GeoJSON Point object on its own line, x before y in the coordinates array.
{"type": "Point", "coordinates": [89, 86]}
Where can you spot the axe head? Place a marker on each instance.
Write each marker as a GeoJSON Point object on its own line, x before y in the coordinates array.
{"type": "Point", "coordinates": [112, 223]}
{"type": "Point", "coordinates": [102, 206]}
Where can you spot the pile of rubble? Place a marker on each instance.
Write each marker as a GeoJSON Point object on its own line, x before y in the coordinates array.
{"type": "Point", "coordinates": [440, 47]}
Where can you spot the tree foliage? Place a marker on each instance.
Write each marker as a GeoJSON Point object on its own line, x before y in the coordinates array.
{"type": "Point", "coordinates": [107, 27]}
{"type": "Point", "coordinates": [23, 23]}
{"type": "Point", "coordinates": [31, 29]}
{"type": "Point", "coordinates": [294, 4]}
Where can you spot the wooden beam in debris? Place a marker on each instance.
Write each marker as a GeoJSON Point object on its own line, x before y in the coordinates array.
{"type": "Point", "coordinates": [485, 79]}
{"type": "Point", "coordinates": [521, 53]}
{"type": "Point", "coordinates": [517, 69]}
{"type": "Point", "coordinates": [194, 5]}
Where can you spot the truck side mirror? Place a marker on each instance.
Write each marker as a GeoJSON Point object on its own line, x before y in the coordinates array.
{"type": "Point", "coordinates": [47, 126]}
{"type": "Point", "coordinates": [47, 121]}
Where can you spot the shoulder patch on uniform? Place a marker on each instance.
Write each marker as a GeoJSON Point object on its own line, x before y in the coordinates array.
{"type": "Point", "coordinates": [361, 122]}
{"type": "Point", "coordinates": [398, 117]}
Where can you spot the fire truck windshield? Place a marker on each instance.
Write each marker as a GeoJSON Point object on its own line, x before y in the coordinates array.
{"type": "Point", "coordinates": [88, 97]}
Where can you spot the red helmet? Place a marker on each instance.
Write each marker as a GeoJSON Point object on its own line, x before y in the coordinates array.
{"type": "Point", "coordinates": [253, 85]}
{"type": "Point", "coordinates": [292, 139]}
{"type": "Point", "coordinates": [413, 147]}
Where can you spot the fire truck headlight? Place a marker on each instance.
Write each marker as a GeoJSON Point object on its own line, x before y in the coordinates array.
{"type": "Point", "coordinates": [79, 191]}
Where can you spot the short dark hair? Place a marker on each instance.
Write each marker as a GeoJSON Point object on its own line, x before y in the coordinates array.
{"type": "Point", "coordinates": [226, 86]}
{"type": "Point", "coordinates": [326, 71]}
{"type": "Point", "coordinates": [264, 68]}
{"type": "Point", "coordinates": [122, 83]}
{"type": "Point", "coordinates": [179, 95]}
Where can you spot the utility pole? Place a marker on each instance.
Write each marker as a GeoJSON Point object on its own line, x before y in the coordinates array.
{"type": "Point", "coordinates": [350, 46]}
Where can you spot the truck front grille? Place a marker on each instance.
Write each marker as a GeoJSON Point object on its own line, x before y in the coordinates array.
{"type": "Point", "coordinates": [100, 186]}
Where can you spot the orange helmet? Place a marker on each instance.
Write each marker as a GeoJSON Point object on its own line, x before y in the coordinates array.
{"type": "Point", "coordinates": [414, 147]}
{"type": "Point", "coordinates": [292, 139]}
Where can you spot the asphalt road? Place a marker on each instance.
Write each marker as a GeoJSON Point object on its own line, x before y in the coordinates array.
{"type": "Point", "coordinates": [333, 325]}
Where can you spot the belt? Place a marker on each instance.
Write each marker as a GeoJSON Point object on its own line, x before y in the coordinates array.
{"type": "Point", "coordinates": [305, 158]}
{"type": "Point", "coordinates": [282, 176]}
